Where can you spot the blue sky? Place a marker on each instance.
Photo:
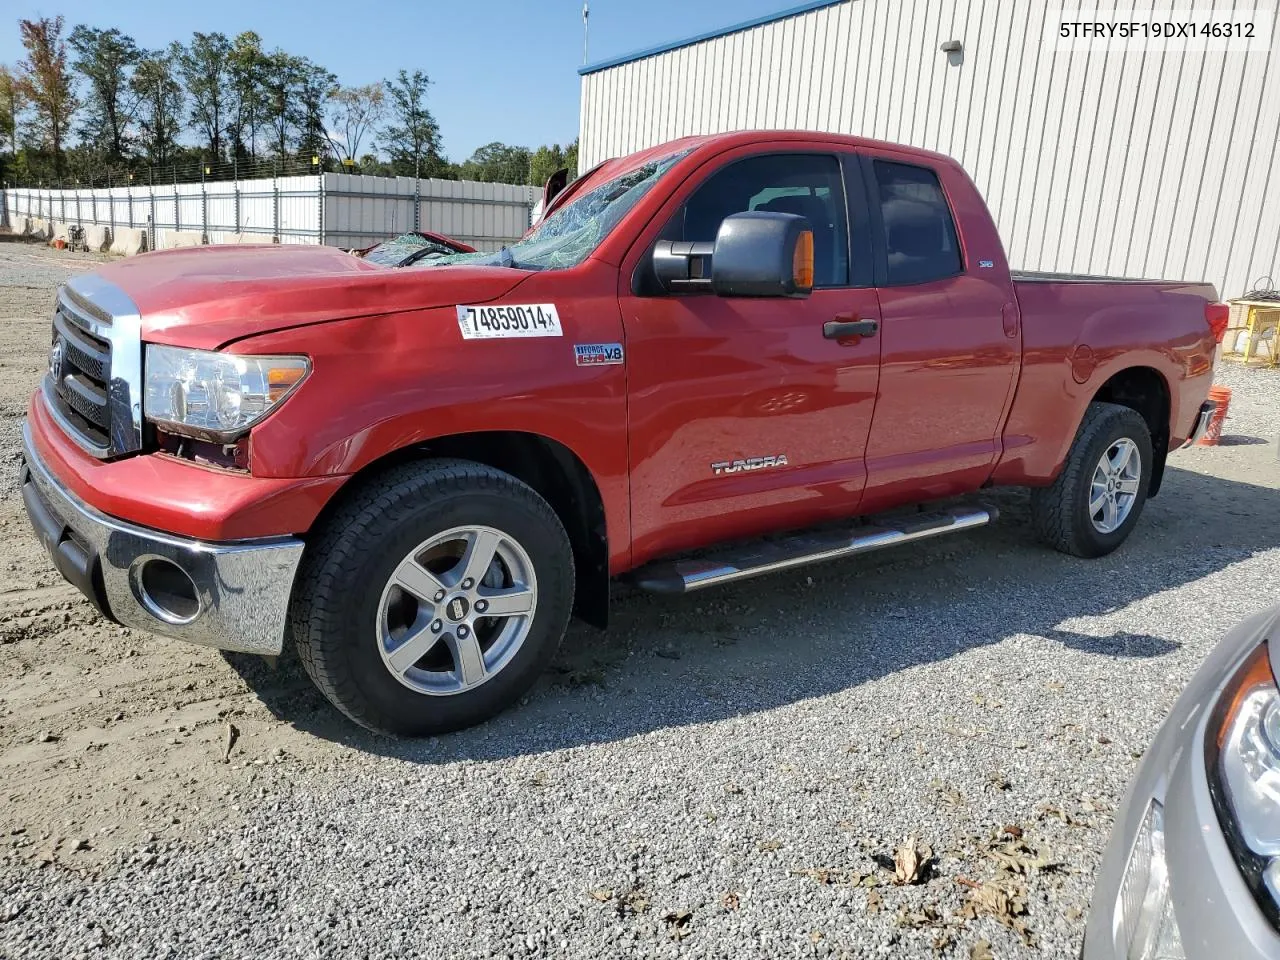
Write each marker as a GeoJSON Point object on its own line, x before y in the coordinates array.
{"type": "Point", "coordinates": [502, 69]}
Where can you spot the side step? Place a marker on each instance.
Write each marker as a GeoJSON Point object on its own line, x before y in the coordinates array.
{"type": "Point", "coordinates": [756, 559]}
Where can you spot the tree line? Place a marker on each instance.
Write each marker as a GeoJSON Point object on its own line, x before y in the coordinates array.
{"type": "Point", "coordinates": [90, 104]}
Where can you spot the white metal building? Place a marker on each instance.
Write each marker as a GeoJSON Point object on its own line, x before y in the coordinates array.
{"type": "Point", "coordinates": [1146, 164]}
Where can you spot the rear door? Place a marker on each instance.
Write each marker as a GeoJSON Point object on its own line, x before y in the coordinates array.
{"type": "Point", "coordinates": [745, 415]}
{"type": "Point", "coordinates": [949, 337]}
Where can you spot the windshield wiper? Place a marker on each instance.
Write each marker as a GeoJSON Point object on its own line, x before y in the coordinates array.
{"type": "Point", "coordinates": [418, 255]}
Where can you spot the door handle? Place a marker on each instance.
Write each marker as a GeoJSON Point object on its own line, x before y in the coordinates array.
{"type": "Point", "coordinates": [843, 329]}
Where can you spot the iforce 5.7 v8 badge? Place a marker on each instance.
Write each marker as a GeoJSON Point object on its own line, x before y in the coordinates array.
{"type": "Point", "coordinates": [596, 354]}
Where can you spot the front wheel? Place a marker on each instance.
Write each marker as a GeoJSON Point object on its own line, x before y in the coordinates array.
{"type": "Point", "coordinates": [1091, 508]}
{"type": "Point", "coordinates": [433, 598]}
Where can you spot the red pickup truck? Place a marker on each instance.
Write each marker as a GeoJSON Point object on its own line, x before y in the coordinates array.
{"type": "Point", "coordinates": [716, 358]}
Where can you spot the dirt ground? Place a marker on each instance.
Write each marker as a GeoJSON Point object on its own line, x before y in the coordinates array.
{"type": "Point", "coordinates": [108, 737]}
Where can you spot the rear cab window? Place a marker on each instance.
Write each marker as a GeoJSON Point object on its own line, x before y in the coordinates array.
{"type": "Point", "coordinates": [920, 239]}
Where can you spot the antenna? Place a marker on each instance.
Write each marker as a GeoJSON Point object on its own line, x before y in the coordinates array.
{"type": "Point", "coordinates": [586, 14]}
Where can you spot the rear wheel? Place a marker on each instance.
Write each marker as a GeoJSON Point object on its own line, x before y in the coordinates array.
{"type": "Point", "coordinates": [1093, 505]}
{"type": "Point", "coordinates": [433, 598]}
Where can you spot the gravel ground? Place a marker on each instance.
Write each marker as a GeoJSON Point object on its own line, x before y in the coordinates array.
{"type": "Point", "coordinates": [724, 775]}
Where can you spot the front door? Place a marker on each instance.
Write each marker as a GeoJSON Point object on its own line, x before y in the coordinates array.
{"type": "Point", "coordinates": [749, 415]}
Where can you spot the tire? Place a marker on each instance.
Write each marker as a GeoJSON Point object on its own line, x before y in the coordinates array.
{"type": "Point", "coordinates": [1061, 511]}
{"type": "Point", "coordinates": [350, 614]}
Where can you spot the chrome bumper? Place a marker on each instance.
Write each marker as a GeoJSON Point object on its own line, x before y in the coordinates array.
{"type": "Point", "coordinates": [1202, 423]}
{"type": "Point", "coordinates": [240, 590]}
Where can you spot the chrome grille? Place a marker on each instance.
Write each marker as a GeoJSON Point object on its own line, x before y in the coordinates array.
{"type": "Point", "coordinates": [92, 387]}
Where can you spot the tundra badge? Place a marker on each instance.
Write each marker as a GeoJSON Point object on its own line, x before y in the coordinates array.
{"type": "Point", "coordinates": [750, 463]}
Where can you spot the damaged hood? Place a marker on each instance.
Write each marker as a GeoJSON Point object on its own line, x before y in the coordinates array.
{"type": "Point", "coordinates": [206, 297]}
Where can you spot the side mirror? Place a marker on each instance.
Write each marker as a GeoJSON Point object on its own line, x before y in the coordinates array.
{"type": "Point", "coordinates": [755, 254]}
{"type": "Point", "coordinates": [554, 185]}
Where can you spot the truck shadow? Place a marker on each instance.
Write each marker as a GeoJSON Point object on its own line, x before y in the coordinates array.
{"type": "Point", "coordinates": [675, 661]}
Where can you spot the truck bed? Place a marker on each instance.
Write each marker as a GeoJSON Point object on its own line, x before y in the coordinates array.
{"type": "Point", "coordinates": [1044, 276]}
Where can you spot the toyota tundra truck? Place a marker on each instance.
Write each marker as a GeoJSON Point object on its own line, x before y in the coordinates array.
{"type": "Point", "coordinates": [712, 359]}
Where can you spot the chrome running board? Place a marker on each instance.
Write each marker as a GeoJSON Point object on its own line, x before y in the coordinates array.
{"type": "Point", "coordinates": [783, 553]}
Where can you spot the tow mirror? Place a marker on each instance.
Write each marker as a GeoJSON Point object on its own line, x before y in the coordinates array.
{"type": "Point", "coordinates": [755, 254]}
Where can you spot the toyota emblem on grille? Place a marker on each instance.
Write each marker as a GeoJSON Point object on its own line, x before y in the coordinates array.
{"type": "Point", "coordinates": [55, 360]}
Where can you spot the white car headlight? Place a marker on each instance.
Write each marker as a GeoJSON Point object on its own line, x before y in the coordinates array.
{"type": "Point", "coordinates": [1249, 757]}
{"type": "Point", "coordinates": [215, 396]}
{"type": "Point", "coordinates": [1244, 758]}
{"type": "Point", "coordinates": [1250, 761]}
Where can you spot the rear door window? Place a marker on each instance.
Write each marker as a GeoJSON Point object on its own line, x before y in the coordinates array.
{"type": "Point", "coordinates": [919, 232]}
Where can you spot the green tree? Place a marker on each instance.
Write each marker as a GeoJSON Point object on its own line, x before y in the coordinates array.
{"type": "Point", "coordinates": [353, 113]}
{"type": "Point", "coordinates": [205, 68]}
{"type": "Point", "coordinates": [279, 82]}
{"type": "Point", "coordinates": [106, 58]}
{"type": "Point", "coordinates": [413, 138]}
{"type": "Point", "coordinates": [315, 85]}
{"type": "Point", "coordinates": [160, 104]}
{"type": "Point", "coordinates": [571, 159]}
{"type": "Point", "coordinates": [248, 110]}
{"type": "Point", "coordinates": [375, 166]}
{"type": "Point", "coordinates": [46, 85]}
{"type": "Point", "coordinates": [497, 163]}
{"type": "Point", "coordinates": [545, 161]}
{"type": "Point", "coordinates": [10, 107]}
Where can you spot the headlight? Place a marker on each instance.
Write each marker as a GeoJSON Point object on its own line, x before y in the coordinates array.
{"type": "Point", "coordinates": [215, 396]}
{"type": "Point", "coordinates": [1244, 766]}
{"type": "Point", "coordinates": [1144, 919]}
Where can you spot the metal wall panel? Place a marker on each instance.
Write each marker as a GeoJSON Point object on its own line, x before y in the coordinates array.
{"type": "Point", "coordinates": [1142, 164]}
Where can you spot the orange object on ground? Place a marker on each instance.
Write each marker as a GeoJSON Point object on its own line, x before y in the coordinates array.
{"type": "Point", "coordinates": [60, 244]}
{"type": "Point", "coordinates": [1213, 432]}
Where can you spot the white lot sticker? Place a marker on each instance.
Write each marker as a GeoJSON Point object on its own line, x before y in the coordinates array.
{"type": "Point", "coordinates": [523, 320]}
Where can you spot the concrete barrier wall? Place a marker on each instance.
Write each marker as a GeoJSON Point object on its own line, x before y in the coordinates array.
{"type": "Point", "coordinates": [97, 238]}
{"type": "Point", "coordinates": [170, 239]}
{"type": "Point", "coordinates": [128, 241]}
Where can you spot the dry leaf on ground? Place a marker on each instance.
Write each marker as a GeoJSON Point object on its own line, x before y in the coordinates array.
{"type": "Point", "coordinates": [926, 916]}
{"type": "Point", "coordinates": [632, 901]}
{"type": "Point", "coordinates": [829, 876]}
{"type": "Point", "coordinates": [1019, 856]}
{"type": "Point", "coordinates": [1006, 902]}
{"type": "Point", "coordinates": [911, 861]}
{"type": "Point", "coordinates": [677, 922]}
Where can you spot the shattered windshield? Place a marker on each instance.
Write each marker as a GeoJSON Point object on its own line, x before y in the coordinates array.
{"type": "Point", "coordinates": [392, 253]}
{"type": "Point", "coordinates": [568, 236]}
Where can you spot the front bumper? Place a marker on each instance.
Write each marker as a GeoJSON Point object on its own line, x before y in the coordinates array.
{"type": "Point", "coordinates": [1216, 914]}
{"type": "Point", "coordinates": [240, 590]}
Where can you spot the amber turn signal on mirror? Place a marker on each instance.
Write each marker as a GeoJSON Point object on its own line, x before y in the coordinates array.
{"type": "Point", "coordinates": [802, 261]}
